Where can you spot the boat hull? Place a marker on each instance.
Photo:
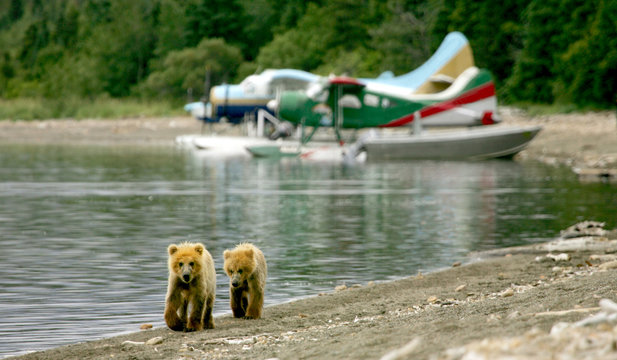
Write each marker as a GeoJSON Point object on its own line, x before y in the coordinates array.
{"type": "Point", "coordinates": [472, 144]}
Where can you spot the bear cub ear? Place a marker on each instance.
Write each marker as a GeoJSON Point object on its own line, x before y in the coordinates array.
{"type": "Point", "coordinates": [226, 254]}
{"type": "Point", "coordinates": [199, 248]}
{"type": "Point", "coordinates": [172, 249]}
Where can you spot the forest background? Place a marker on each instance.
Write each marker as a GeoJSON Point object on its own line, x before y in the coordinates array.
{"type": "Point", "coordinates": [110, 58]}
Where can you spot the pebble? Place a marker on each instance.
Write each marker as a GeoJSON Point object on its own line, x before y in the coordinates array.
{"type": "Point", "coordinates": [155, 341]}
{"type": "Point", "coordinates": [603, 257]}
{"type": "Point", "coordinates": [145, 327]}
{"type": "Point", "coordinates": [493, 317]}
{"type": "Point", "coordinates": [584, 228]}
{"type": "Point", "coordinates": [129, 342]}
{"type": "Point", "coordinates": [404, 352]}
{"type": "Point", "coordinates": [560, 257]}
{"type": "Point", "coordinates": [514, 315]}
{"type": "Point", "coordinates": [608, 305]}
{"type": "Point", "coordinates": [507, 293]}
{"type": "Point", "coordinates": [460, 288]}
{"type": "Point", "coordinates": [608, 265]}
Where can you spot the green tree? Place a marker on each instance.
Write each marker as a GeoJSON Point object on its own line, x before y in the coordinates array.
{"type": "Point", "coordinates": [533, 74]}
{"type": "Point", "coordinates": [340, 26]}
{"type": "Point", "coordinates": [494, 30]}
{"type": "Point", "coordinates": [215, 18]}
{"type": "Point", "coordinates": [404, 38]}
{"type": "Point", "coordinates": [124, 47]}
{"type": "Point", "coordinates": [36, 38]}
{"type": "Point", "coordinates": [67, 27]}
{"type": "Point", "coordinates": [73, 76]}
{"type": "Point", "coordinates": [539, 51]}
{"type": "Point", "coordinates": [171, 27]}
{"type": "Point", "coordinates": [98, 11]}
{"type": "Point", "coordinates": [16, 10]}
{"type": "Point", "coordinates": [587, 72]}
{"type": "Point", "coordinates": [186, 69]}
{"type": "Point", "coordinates": [288, 13]}
{"type": "Point", "coordinates": [302, 47]}
{"type": "Point", "coordinates": [7, 72]}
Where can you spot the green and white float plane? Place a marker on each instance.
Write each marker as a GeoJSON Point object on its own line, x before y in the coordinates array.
{"type": "Point", "coordinates": [348, 103]}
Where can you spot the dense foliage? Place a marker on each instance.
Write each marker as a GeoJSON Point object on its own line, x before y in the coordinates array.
{"type": "Point", "coordinates": [540, 51]}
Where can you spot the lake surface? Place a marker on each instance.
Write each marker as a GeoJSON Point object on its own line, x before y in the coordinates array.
{"type": "Point", "coordinates": [84, 230]}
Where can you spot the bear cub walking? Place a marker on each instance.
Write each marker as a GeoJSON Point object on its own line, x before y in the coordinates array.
{"type": "Point", "coordinates": [191, 287]}
{"type": "Point", "coordinates": [247, 270]}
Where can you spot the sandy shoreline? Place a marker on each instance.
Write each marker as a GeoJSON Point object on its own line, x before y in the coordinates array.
{"type": "Point", "coordinates": [508, 302]}
{"type": "Point", "coordinates": [116, 132]}
{"type": "Point", "coordinates": [514, 297]}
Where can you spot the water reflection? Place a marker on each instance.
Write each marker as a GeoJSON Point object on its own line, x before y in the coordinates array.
{"type": "Point", "coordinates": [84, 229]}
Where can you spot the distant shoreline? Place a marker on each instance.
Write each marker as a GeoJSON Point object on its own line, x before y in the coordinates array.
{"type": "Point", "coordinates": [578, 140]}
{"type": "Point", "coordinates": [113, 132]}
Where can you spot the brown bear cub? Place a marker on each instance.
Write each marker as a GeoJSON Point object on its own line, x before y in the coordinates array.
{"type": "Point", "coordinates": [247, 270]}
{"type": "Point", "coordinates": [191, 287]}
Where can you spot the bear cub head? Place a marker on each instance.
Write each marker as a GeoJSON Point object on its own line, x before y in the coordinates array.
{"type": "Point", "coordinates": [186, 261]}
{"type": "Point", "coordinates": [239, 265]}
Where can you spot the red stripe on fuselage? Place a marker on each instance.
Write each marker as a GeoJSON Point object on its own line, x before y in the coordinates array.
{"type": "Point", "coordinates": [475, 94]}
{"type": "Point", "coordinates": [399, 122]}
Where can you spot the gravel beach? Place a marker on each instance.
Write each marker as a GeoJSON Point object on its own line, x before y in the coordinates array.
{"type": "Point", "coordinates": [546, 301]}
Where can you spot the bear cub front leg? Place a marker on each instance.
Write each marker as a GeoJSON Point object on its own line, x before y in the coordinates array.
{"type": "Point", "coordinates": [238, 301]}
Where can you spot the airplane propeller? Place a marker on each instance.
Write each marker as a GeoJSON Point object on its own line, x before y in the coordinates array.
{"type": "Point", "coordinates": [274, 105]}
{"type": "Point", "coordinates": [281, 128]}
{"type": "Point", "coordinates": [207, 84]}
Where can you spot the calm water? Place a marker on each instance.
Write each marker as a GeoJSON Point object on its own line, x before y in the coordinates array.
{"type": "Point", "coordinates": [84, 230]}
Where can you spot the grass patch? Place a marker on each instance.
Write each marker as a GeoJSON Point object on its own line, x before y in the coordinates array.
{"type": "Point", "coordinates": [74, 108]}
